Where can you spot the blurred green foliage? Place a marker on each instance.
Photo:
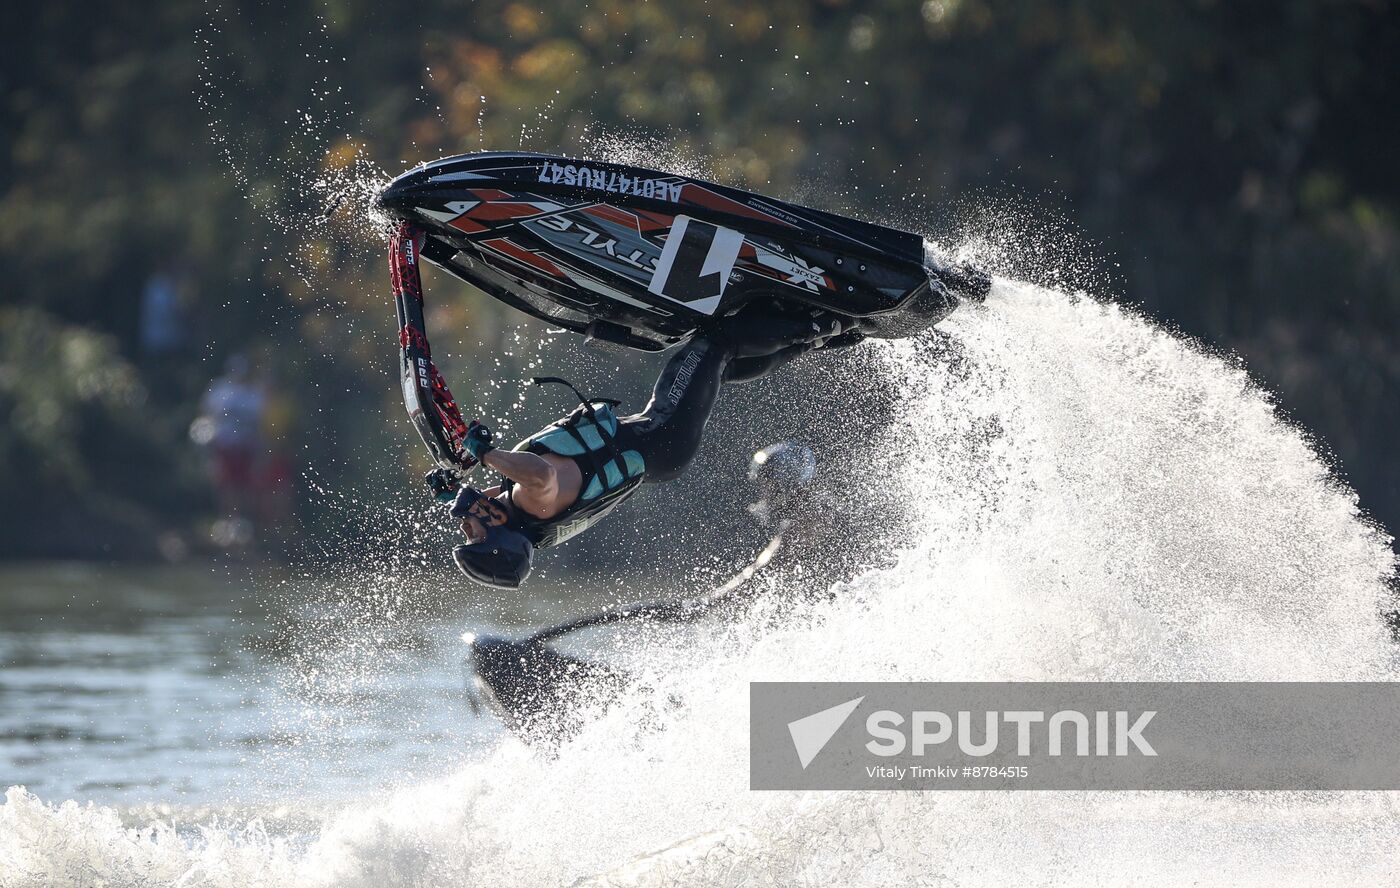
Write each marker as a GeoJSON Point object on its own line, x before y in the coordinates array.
{"type": "Point", "coordinates": [81, 445]}
{"type": "Point", "coordinates": [1235, 162]}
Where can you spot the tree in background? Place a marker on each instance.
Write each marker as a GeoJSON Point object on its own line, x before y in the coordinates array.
{"type": "Point", "coordinates": [1234, 159]}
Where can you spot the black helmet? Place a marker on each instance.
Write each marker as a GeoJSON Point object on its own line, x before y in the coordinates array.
{"type": "Point", "coordinates": [781, 472]}
{"type": "Point", "coordinates": [503, 559]}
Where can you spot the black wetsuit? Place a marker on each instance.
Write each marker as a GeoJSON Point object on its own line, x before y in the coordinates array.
{"type": "Point", "coordinates": [669, 431]}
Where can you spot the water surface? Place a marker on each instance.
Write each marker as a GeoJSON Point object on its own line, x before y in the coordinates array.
{"type": "Point", "coordinates": [192, 684]}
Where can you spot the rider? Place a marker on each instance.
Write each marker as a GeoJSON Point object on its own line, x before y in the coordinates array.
{"type": "Point", "coordinates": [562, 480]}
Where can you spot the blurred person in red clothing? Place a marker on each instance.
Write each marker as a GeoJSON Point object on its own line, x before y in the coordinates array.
{"type": "Point", "coordinates": [230, 426]}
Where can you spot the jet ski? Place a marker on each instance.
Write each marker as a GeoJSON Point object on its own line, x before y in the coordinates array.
{"type": "Point", "coordinates": [644, 258]}
{"type": "Point", "coordinates": [641, 259]}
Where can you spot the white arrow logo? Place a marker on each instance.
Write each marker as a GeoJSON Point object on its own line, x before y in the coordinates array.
{"type": "Point", "coordinates": [811, 733]}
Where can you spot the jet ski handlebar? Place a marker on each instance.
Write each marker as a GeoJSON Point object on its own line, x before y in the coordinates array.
{"type": "Point", "coordinates": [431, 407]}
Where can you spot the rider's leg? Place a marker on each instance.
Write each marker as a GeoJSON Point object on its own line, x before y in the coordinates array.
{"type": "Point", "coordinates": [669, 431]}
{"type": "Point", "coordinates": [742, 370]}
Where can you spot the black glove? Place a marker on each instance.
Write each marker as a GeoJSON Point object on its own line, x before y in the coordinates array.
{"type": "Point", "coordinates": [443, 484]}
{"type": "Point", "coordinates": [478, 440]}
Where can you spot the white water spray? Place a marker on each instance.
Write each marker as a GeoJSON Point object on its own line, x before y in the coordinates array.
{"type": "Point", "coordinates": [1098, 500]}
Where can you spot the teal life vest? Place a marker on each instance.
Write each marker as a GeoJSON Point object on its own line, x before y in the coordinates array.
{"type": "Point", "coordinates": [609, 475]}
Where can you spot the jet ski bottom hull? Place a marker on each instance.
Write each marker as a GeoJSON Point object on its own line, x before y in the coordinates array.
{"type": "Point", "coordinates": [644, 259]}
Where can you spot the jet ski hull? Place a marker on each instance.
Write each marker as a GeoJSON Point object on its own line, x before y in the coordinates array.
{"type": "Point", "coordinates": [644, 258]}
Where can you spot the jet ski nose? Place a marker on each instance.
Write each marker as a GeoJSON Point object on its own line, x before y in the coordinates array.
{"type": "Point", "coordinates": [399, 194]}
{"type": "Point", "coordinates": [391, 196]}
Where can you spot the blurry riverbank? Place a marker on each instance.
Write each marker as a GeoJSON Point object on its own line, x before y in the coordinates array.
{"type": "Point", "coordinates": [166, 172]}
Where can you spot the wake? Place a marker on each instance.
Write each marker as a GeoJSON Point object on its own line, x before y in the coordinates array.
{"type": "Point", "coordinates": [1096, 499]}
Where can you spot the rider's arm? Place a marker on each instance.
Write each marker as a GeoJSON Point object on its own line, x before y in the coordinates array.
{"type": "Point", "coordinates": [530, 471]}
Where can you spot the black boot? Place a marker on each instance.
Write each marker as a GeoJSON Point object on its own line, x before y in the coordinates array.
{"type": "Point", "coordinates": [761, 335]}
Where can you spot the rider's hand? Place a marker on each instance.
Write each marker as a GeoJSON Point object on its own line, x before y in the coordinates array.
{"type": "Point", "coordinates": [443, 484]}
{"type": "Point", "coordinates": [478, 440]}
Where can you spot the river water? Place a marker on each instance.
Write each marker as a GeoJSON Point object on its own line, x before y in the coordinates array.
{"type": "Point", "coordinates": [132, 685]}
{"type": "Point", "coordinates": [1091, 499]}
